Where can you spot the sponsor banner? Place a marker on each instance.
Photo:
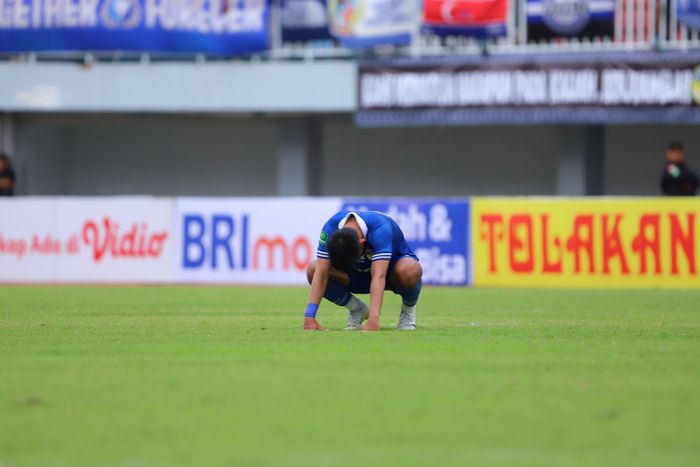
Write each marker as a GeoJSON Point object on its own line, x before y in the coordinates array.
{"type": "Point", "coordinates": [689, 13]}
{"type": "Point", "coordinates": [611, 243]}
{"type": "Point", "coordinates": [529, 85]}
{"type": "Point", "coordinates": [549, 19]}
{"type": "Point", "coordinates": [214, 27]}
{"type": "Point", "coordinates": [478, 18]}
{"type": "Point", "coordinates": [25, 225]}
{"type": "Point", "coordinates": [86, 240]}
{"type": "Point", "coordinates": [368, 23]}
{"type": "Point", "coordinates": [304, 20]}
{"type": "Point", "coordinates": [249, 241]}
{"type": "Point", "coordinates": [436, 230]}
{"type": "Point", "coordinates": [538, 242]}
{"type": "Point", "coordinates": [545, 92]}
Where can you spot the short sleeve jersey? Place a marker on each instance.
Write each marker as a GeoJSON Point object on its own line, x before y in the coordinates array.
{"type": "Point", "coordinates": [384, 238]}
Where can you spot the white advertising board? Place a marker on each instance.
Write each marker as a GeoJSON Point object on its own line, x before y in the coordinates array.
{"type": "Point", "coordinates": [87, 240]}
{"type": "Point", "coordinates": [249, 241]}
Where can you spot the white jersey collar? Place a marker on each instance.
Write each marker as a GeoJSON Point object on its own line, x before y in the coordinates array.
{"type": "Point", "coordinates": [360, 222]}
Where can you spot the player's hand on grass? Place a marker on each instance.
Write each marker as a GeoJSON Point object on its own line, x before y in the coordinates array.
{"type": "Point", "coordinates": [372, 324]}
{"type": "Point", "coordinates": [310, 324]}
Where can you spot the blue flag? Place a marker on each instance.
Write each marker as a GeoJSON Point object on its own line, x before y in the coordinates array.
{"type": "Point", "coordinates": [219, 27]}
{"type": "Point", "coordinates": [689, 13]}
{"type": "Point", "coordinates": [548, 19]}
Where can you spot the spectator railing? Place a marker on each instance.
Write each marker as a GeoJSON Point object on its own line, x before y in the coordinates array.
{"type": "Point", "coordinates": [639, 25]}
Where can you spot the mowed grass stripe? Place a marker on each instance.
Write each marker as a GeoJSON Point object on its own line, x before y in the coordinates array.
{"type": "Point", "coordinates": [223, 376]}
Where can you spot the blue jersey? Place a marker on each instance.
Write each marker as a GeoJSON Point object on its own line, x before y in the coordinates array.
{"type": "Point", "coordinates": [384, 238]}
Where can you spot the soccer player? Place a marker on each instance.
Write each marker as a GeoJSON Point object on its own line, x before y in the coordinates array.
{"type": "Point", "coordinates": [359, 253]}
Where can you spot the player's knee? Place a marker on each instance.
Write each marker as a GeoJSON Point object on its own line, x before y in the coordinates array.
{"type": "Point", "coordinates": [310, 270]}
{"type": "Point", "coordinates": [409, 274]}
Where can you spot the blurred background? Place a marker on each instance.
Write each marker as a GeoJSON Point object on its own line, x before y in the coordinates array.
{"type": "Point", "coordinates": [255, 98]}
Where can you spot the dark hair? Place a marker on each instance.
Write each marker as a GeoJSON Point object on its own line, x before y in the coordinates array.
{"type": "Point", "coordinates": [675, 146]}
{"type": "Point", "coordinates": [344, 249]}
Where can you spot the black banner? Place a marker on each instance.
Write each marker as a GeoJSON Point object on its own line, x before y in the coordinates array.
{"type": "Point", "coordinates": [550, 19]}
{"type": "Point", "coordinates": [593, 92]}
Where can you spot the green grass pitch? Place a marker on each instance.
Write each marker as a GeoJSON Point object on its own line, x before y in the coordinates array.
{"type": "Point", "coordinates": [166, 376]}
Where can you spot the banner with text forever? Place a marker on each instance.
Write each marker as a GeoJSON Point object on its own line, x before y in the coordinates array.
{"type": "Point", "coordinates": [217, 27]}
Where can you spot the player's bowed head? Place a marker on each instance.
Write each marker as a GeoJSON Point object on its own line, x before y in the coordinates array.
{"type": "Point", "coordinates": [344, 249]}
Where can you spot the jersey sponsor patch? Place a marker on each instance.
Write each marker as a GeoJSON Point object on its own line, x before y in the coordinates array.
{"type": "Point", "coordinates": [324, 238]}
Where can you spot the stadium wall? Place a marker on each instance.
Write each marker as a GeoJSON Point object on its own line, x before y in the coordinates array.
{"type": "Point", "coordinates": [433, 161]}
{"type": "Point", "coordinates": [178, 86]}
{"type": "Point", "coordinates": [94, 155]}
{"type": "Point", "coordinates": [634, 156]}
{"type": "Point", "coordinates": [481, 241]}
{"type": "Point", "coordinates": [158, 156]}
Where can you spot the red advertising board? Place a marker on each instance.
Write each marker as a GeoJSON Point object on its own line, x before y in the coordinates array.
{"type": "Point", "coordinates": [465, 17]}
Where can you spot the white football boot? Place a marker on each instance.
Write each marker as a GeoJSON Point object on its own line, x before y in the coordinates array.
{"type": "Point", "coordinates": [407, 319]}
{"type": "Point", "coordinates": [356, 316]}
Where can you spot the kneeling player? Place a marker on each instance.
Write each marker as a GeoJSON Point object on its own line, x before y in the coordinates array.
{"type": "Point", "coordinates": [363, 252]}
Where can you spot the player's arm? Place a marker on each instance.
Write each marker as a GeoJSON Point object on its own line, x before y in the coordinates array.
{"type": "Point", "coordinates": [376, 293]}
{"type": "Point", "coordinates": [318, 286]}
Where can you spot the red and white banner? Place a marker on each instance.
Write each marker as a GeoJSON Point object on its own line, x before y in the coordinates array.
{"type": "Point", "coordinates": [87, 240]}
{"type": "Point", "coordinates": [479, 18]}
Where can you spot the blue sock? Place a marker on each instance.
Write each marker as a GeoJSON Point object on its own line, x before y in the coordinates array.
{"type": "Point", "coordinates": [337, 293]}
{"type": "Point", "coordinates": [410, 296]}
